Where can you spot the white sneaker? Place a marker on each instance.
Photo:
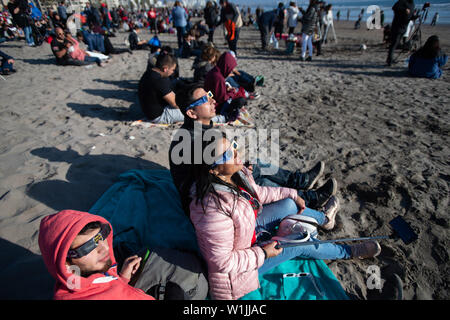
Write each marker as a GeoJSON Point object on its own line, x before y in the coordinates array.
{"type": "Point", "coordinates": [330, 210]}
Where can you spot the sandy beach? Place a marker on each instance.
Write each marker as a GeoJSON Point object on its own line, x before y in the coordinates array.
{"type": "Point", "coordinates": [66, 135]}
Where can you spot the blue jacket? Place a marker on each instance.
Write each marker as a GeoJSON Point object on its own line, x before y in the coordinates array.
{"type": "Point", "coordinates": [426, 68]}
{"type": "Point", "coordinates": [179, 17]}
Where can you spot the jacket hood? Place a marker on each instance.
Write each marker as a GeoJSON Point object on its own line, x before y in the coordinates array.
{"type": "Point", "coordinates": [56, 234]}
{"type": "Point", "coordinates": [226, 64]}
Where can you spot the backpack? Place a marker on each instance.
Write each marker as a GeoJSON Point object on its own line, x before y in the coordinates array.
{"type": "Point", "coordinates": [169, 274]}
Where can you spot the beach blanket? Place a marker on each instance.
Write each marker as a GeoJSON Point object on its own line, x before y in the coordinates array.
{"type": "Point", "coordinates": [144, 209]}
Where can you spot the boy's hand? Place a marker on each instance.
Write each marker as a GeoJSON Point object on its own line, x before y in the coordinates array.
{"type": "Point", "coordinates": [130, 266]}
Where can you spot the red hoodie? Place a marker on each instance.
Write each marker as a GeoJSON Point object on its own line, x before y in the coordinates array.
{"type": "Point", "coordinates": [215, 78]}
{"type": "Point", "coordinates": [56, 234]}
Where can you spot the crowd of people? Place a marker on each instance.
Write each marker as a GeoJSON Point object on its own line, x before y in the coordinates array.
{"type": "Point", "coordinates": [232, 205]}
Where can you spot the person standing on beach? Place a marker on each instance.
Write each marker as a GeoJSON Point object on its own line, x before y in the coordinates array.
{"type": "Point", "coordinates": [19, 11]}
{"type": "Point", "coordinates": [403, 12]}
{"type": "Point", "coordinates": [62, 12]}
{"type": "Point", "coordinates": [309, 23]}
{"type": "Point", "coordinates": [348, 14]}
{"type": "Point", "coordinates": [292, 17]}
{"type": "Point", "coordinates": [179, 17]}
{"type": "Point", "coordinates": [435, 19]}
{"type": "Point", "coordinates": [231, 19]}
{"type": "Point", "coordinates": [211, 15]}
{"type": "Point", "coordinates": [266, 22]}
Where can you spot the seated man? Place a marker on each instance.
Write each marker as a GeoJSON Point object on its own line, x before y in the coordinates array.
{"type": "Point", "coordinates": [135, 42]}
{"type": "Point", "coordinates": [156, 96]}
{"type": "Point", "coordinates": [61, 47]}
{"type": "Point", "coordinates": [154, 53]}
{"type": "Point", "coordinates": [77, 248]}
{"type": "Point", "coordinates": [7, 62]}
{"type": "Point", "coordinates": [202, 115]}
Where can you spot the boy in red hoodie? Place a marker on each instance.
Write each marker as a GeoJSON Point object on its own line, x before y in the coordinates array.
{"type": "Point", "coordinates": [77, 250]}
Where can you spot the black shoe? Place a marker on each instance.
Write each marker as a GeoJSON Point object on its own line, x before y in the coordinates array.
{"type": "Point", "coordinates": [314, 174]}
{"type": "Point", "coordinates": [302, 59]}
{"type": "Point", "coordinates": [324, 193]}
{"type": "Point", "coordinates": [309, 58]}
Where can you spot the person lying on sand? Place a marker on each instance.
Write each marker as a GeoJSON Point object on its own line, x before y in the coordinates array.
{"type": "Point", "coordinates": [100, 43]}
{"type": "Point", "coordinates": [229, 211]}
{"type": "Point", "coordinates": [62, 46]}
{"type": "Point", "coordinates": [204, 116]}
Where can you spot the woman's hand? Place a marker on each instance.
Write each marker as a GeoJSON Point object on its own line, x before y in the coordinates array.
{"type": "Point", "coordinates": [300, 204]}
{"type": "Point", "coordinates": [271, 251]}
{"type": "Point", "coordinates": [130, 266]}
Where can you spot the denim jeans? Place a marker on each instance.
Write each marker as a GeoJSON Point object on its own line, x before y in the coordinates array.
{"type": "Point", "coordinates": [244, 79]}
{"type": "Point", "coordinates": [92, 59]}
{"type": "Point", "coordinates": [271, 217]}
{"type": "Point", "coordinates": [180, 32]}
{"type": "Point", "coordinates": [307, 43]}
{"type": "Point", "coordinates": [28, 35]}
{"type": "Point", "coordinates": [284, 178]}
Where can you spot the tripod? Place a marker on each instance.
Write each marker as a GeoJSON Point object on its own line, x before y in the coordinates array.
{"type": "Point", "coordinates": [414, 39]}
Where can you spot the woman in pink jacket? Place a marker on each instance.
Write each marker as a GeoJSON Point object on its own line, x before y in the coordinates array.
{"type": "Point", "coordinates": [227, 212]}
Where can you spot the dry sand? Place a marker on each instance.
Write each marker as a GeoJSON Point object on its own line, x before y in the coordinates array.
{"type": "Point", "coordinates": [384, 136]}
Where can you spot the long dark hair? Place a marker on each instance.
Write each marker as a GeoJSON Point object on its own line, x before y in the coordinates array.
{"type": "Point", "coordinates": [429, 49]}
{"type": "Point", "coordinates": [204, 180]}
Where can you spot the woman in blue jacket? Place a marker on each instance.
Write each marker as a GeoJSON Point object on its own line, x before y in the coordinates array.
{"type": "Point", "coordinates": [426, 61]}
{"type": "Point", "coordinates": [179, 17]}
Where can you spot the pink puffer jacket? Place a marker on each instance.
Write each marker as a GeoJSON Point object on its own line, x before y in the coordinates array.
{"type": "Point", "coordinates": [224, 237]}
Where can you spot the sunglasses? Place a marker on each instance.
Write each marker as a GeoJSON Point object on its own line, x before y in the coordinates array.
{"type": "Point", "coordinates": [227, 155]}
{"type": "Point", "coordinates": [200, 101]}
{"type": "Point", "coordinates": [91, 244]}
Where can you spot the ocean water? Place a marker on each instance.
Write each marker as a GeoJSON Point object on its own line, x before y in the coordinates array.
{"type": "Point", "coordinates": [355, 6]}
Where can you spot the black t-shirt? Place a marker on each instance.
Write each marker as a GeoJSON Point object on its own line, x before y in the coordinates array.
{"type": "Point", "coordinates": [58, 46]}
{"type": "Point", "coordinates": [152, 89]}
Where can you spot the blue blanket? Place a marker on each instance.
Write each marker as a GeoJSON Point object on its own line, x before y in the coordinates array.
{"type": "Point", "coordinates": [144, 209]}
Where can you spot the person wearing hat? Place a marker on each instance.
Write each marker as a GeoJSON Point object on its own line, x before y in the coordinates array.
{"type": "Point", "coordinates": [77, 251]}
